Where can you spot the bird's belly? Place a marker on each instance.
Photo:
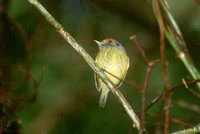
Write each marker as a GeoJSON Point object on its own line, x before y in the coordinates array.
{"type": "Point", "coordinates": [115, 72]}
{"type": "Point", "coordinates": [114, 64]}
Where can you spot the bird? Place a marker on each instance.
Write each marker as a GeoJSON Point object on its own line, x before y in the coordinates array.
{"type": "Point", "coordinates": [113, 60]}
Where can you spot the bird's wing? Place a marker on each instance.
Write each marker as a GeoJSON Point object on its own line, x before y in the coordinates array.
{"type": "Point", "coordinates": [126, 66]}
{"type": "Point", "coordinates": [96, 82]}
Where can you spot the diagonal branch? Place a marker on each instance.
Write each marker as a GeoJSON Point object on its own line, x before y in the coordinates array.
{"type": "Point", "coordinates": [194, 130]}
{"type": "Point", "coordinates": [173, 88]}
{"type": "Point", "coordinates": [175, 38]}
{"type": "Point", "coordinates": [89, 60]}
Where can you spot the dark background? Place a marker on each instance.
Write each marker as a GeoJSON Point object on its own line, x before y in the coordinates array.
{"type": "Point", "coordinates": [67, 101]}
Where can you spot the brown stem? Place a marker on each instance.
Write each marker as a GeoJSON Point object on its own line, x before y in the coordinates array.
{"type": "Point", "coordinates": [174, 120]}
{"type": "Point", "coordinates": [139, 47]}
{"type": "Point", "coordinates": [150, 65]}
{"type": "Point", "coordinates": [143, 99]}
{"type": "Point", "coordinates": [167, 101]}
{"type": "Point", "coordinates": [155, 100]}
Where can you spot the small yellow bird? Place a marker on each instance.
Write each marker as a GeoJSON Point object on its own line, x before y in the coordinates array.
{"type": "Point", "coordinates": [112, 59]}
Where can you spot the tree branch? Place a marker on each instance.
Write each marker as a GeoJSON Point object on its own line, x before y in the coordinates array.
{"type": "Point", "coordinates": [194, 130]}
{"type": "Point", "coordinates": [89, 60]}
{"type": "Point", "coordinates": [156, 4]}
{"type": "Point", "coordinates": [176, 40]}
{"type": "Point", "coordinates": [157, 98]}
{"type": "Point", "coordinates": [150, 65]}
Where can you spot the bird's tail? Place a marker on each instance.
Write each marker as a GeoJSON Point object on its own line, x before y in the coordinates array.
{"type": "Point", "coordinates": [103, 97]}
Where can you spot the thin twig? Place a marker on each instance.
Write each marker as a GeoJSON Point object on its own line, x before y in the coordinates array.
{"type": "Point", "coordinates": [188, 82]}
{"type": "Point", "coordinates": [176, 39]}
{"type": "Point", "coordinates": [156, 99]}
{"type": "Point", "coordinates": [138, 44]}
{"type": "Point", "coordinates": [90, 61]}
{"type": "Point", "coordinates": [143, 102]}
{"type": "Point", "coordinates": [190, 90]}
{"type": "Point", "coordinates": [164, 65]}
{"type": "Point", "coordinates": [181, 122]}
{"type": "Point", "coordinates": [187, 105]}
{"type": "Point", "coordinates": [193, 92]}
{"type": "Point", "coordinates": [36, 83]}
{"type": "Point", "coordinates": [150, 65]}
{"type": "Point", "coordinates": [174, 120]}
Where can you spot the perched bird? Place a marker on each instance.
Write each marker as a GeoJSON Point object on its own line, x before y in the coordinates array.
{"type": "Point", "coordinates": [112, 59]}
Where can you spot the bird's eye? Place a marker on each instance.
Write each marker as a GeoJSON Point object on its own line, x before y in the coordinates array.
{"type": "Point", "coordinates": [110, 41]}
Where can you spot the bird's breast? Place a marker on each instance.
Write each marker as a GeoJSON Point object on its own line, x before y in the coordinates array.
{"type": "Point", "coordinates": [115, 62]}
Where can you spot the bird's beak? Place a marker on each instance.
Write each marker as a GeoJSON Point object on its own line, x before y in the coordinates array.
{"type": "Point", "coordinates": [98, 42]}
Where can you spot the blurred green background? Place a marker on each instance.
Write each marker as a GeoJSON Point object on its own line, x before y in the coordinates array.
{"type": "Point", "coordinates": [67, 101]}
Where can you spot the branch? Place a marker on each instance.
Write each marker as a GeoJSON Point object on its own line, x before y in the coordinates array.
{"type": "Point", "coordinates": [167, 101]}
{"type": "Point", "coordinates": [150, 65]}
{"type": "Point", "coordinates": [194, 130]}
{"type": "Point", "coordinates": [176, 40]}
{"type": "Point", "coordinates": [157, 98]}
{"type": "Point", "coordinates": [36, 82]}
{"type": "Point", "coordinates": [90, 61]}
{"type": "Point", "coordinates": [174, 120]}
